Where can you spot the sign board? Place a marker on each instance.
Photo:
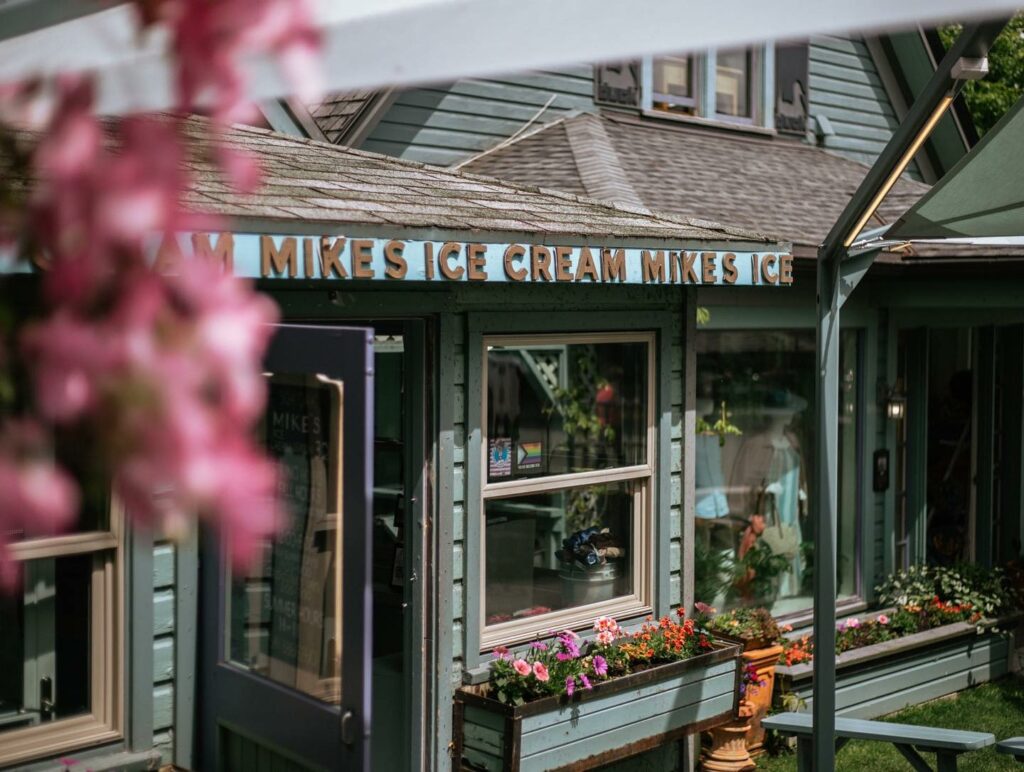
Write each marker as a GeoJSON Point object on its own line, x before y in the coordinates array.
{"type": "Point", "coordinates": [337, 258]}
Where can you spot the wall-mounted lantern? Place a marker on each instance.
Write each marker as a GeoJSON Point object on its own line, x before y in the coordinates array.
{"type": "Point", "coordinates": [896, 406]}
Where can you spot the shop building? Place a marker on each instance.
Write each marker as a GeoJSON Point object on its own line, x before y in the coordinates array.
{"type": "Point", "coordinates": [542, 363]}
{"type": "Point", "coordinates": [518, 364]}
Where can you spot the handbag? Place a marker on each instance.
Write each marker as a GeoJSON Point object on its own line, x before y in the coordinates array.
{"type": "Point", "coordinates": [781, 538]}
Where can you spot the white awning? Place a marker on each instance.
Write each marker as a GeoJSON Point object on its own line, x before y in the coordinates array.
{"type": "Point", "coordinates": [373, 43]}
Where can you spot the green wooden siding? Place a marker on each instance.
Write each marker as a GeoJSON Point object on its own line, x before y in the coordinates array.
{"type": "Point", "coordinates": [446, 124]}
{"type": "Point", "coordinates": [163, 649]}
{"type": "Point", "coordinates": [846, 89]}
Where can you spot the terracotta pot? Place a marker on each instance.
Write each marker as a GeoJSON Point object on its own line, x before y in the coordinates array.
{"type": "Point", "coordinates": [727, 751]}
{"type": "Point", "coordinates": [760, 697]}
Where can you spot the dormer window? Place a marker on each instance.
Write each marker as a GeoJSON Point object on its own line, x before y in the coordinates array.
{"type": "Point", "coordinates": [727, 85]}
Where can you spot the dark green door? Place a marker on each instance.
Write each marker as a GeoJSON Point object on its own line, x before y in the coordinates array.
{"type": "Point", "coordinates": [285, 644]}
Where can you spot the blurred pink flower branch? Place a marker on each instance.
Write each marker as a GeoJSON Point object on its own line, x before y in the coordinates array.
{"type": "Point", "coordinates": [160, 372]}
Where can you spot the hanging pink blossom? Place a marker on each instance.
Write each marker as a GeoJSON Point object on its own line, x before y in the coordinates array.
{"type": "Point", "coordinates": [161, 368]}
{"type": "Point", "coordinates": [38, 498]}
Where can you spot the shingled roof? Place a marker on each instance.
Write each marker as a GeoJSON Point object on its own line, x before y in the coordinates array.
{"type": "Point", "coordinates": [316, 182]}
{"type": "Point", "coordinates": [769, 185]}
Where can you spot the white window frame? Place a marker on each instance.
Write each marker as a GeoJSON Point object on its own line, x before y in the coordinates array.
{"type": "Point", "coordinates": [640, 600]}
{"type": "Point", "coordinates": [105, 720]}
{"type": "Point", "coordinates": [705, 66]}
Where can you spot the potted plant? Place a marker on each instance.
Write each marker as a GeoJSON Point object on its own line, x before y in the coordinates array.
{"type": "Point", "coordinates": [560, 703]}
{"type": "Point", "coordinates": [760, 634]}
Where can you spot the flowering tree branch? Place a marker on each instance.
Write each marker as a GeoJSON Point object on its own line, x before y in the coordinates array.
{"type": "Point", "coordinates": [159, 373]}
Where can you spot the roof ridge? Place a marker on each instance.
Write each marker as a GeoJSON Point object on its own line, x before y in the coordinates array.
{"type": "Point", "coordinates": [598, 163]}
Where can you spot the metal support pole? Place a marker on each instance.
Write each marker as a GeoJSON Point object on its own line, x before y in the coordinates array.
{"type": "Point", "coordinates": [909, 136]}
{"type": "Point", "coordinates": [826, 513]}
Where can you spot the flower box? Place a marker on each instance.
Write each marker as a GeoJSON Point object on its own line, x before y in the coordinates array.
{"type": "Point", "coordinates": [874, 680]}
{"type": "Point", "coordinates": [616, 719]}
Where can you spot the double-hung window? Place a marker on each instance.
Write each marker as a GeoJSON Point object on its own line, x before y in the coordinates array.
{"type": "Point", "coordinates": [60, 645]}
{"type": "Point", "coordinates": [567, 478]}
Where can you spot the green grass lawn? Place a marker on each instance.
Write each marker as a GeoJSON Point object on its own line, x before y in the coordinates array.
{"type": "Point", "coordinates": [997, 708]}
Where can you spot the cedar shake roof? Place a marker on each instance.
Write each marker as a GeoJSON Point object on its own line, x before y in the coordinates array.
{"type": "Point", "coordinates": [766, 184]}
{"type": "Point", "coordinates": [337, 114]}
{"type": "Point", "coordinates": [310, 181]}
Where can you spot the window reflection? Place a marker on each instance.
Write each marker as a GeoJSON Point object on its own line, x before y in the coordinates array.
{"type": "Point", "coordinates": [754, 454]}
{"type": "Point", "coordinates": [559, 409]}
{"type": "Point", "coordinates": [733, 78]}
{"type": "Point", "coordinates": [552, 551]}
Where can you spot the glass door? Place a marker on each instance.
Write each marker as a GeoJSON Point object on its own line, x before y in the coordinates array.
{"type": "Point", "coordinates": [286, 644]}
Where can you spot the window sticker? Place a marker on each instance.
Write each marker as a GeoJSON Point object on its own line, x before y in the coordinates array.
{"type": "Point", "coordinates": [500, 457]}
{"type": "Point", "coordinates": [530, 456]}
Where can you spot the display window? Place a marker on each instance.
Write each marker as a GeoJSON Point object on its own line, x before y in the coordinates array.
{"type": "Point", "coordinates": [60, 639]}
{"type": "Point", "coordinates": [567, 481]}
{"type": "Point", "coordinates": [755, 447]}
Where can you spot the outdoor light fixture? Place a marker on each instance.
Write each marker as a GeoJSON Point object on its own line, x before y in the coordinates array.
{"type": "Point", "coordinates": [896, 406]}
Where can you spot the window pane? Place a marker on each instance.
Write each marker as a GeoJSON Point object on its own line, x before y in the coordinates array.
{"type": "Point", "coordinates": [557, 550]}
{"type": "Point", "coordinates": [732, 83]}
{"type": "Point", "coordinates": [754, 460]}
{"type": "Point", "coordinates": [561, 408]}
{"type": "Point", "coordinates": [45, 643]}
{"type": "Point", "coordinates": [284, 613]}
{"type": "Point", "coordinates": [673, 79]}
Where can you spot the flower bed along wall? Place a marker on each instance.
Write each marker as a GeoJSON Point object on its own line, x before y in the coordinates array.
{"type": "Point", "coordinates": [615, 719]}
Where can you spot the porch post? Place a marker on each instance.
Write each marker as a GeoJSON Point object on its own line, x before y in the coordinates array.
{"type": "Point", "coordinates": [825, 504]}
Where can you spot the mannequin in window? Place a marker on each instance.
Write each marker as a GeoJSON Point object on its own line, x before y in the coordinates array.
{"type": "Point", "coordinates": [769, 471]}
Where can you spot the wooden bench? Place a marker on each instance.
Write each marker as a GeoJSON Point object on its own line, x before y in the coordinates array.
{"type": "Point", "coordinates": [946, 744]}
{"type": "Point", "coordinates": [1012, 746]}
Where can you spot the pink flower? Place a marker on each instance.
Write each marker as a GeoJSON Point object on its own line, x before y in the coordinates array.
{"type": "Point", "coordinates": [38, 499]}
{"type": "Point", "coordinates": [853, 623]}
{"type": "Point", "coordinates": [540, 671]}
{"type": "Point", "coordinates": [883, 619]}
{"type": "Point", "coordinates": [539, 646]}
{"type": "Point", "coordinates": [502, 652]}
{"type": "Point", "coordinates": [522, 667]}
{"type": "Point", "coordinates": [570, 685]}
{"type": "Point", "coordinates": [600, 665]}
{"type": "Point", "coordinates": [585, 681]}
{"type": "Point", "coordinates": [605, 638]}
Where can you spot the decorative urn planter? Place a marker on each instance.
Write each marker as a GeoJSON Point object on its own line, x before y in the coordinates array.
{"type": "Point", "coordinates": [759, 695]}
{"type": "Point", "coordinates": [732, 747]}
{"type": "Point", "coordinates": [616, 719]}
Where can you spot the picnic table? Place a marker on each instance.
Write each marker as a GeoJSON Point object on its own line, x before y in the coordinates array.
{"type": "Point", "coordinates": [1012, 746]}
{"type": "Point", "coordinates": [909, 740]}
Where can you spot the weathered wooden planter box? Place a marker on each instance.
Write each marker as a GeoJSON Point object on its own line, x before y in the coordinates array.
{"type": "Point", "coordinates": [614, 720]}
{"type": "Point", "coordinates": [875, 680]}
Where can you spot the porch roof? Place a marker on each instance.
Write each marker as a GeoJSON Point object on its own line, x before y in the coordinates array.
{"type": "Point", "coordinates": [315, 182]}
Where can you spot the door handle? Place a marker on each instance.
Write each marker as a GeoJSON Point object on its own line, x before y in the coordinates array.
{"type": "Point", "coordinates": [348, 727]}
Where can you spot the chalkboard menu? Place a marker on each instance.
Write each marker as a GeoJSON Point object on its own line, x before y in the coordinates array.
{"type": "Point", "coordinates": [286, 613]}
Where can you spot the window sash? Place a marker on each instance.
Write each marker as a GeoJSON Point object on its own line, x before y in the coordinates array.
{"type": "Point", "coordinates": [639, 600]}
{"type": "Point", "coordinates": [105, 720]}
{"type": "Point", "coordinates": [636, 603]}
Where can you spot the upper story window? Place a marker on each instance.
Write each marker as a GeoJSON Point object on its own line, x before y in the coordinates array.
{"type": "Point", "coordinates": [727, 85]}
